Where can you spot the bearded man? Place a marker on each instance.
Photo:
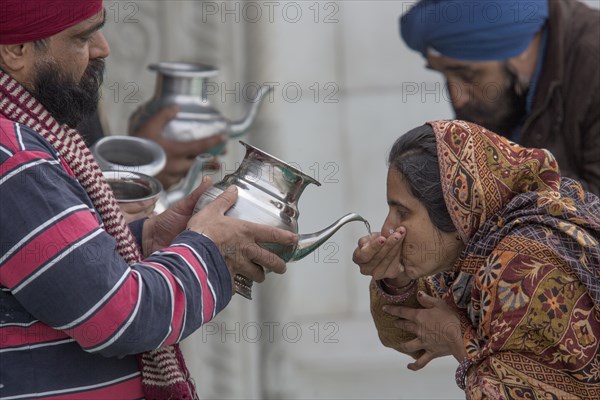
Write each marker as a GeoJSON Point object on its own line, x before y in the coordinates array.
{"type": "Point", "coordinates": [91, 307]}
{"type": "Point", "coordinates": [525, 69]}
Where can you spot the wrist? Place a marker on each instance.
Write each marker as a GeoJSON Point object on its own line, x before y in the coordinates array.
{"type": "Point", "coordinates": [397, 286]}
{"type": "Point", "coordinates": [395, 294]}
{"type": "Point", "coordinates": [461, 373]}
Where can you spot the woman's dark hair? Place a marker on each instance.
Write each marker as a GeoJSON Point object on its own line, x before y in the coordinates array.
{"type": "Point", "coordinates": [414, 155]}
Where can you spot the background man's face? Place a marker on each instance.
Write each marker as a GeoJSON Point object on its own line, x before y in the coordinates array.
{"type": "Point", "coordinates": [69, 69]}
{"type": "Point", "coordinates": [486, 93]}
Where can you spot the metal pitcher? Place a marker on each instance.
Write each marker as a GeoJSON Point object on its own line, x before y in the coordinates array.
{"type": "Point", "coordinates": [268, 193]}
{"type": "Point", "coordinates": [185, 84]}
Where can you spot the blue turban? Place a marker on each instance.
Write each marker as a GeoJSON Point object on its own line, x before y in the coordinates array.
{"type": "Point", "coordinates": [473, 30]}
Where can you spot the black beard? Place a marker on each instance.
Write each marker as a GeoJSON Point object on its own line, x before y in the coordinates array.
{"type": "Point", "coordinates": [69, 102]}
{"type": "Point", "coordinates": [502, 116]}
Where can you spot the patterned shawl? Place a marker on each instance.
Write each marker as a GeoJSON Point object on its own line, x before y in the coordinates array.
{"type": "Point", "coordinates": [529, 236]}
{"type": "Point", "coordinates": [164, 374]}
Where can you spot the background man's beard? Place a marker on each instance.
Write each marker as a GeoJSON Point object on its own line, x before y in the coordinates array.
{"type": "Point", "coordinates": [502, 115]}
{"type": "Point", "coordinates": [67, 101]}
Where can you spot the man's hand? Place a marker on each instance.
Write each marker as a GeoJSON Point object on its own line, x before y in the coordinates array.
{"type": "Point", "coordinates": [160, 230]}
{"type": "Point", "coordinates": [238, 239]}
{"type": "Point", "coordinates": [436, 327]}
{"type": "Point", "coordinates": [180, 155]}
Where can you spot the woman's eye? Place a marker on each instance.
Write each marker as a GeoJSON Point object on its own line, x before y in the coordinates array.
{"type": "Point", "coordinates": [401, 213]}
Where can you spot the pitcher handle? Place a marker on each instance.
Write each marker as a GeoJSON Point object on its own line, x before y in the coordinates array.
{"type": "Point", "coordinates": [243, 286]}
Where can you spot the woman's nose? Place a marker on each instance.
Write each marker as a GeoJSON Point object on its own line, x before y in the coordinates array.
{"type": "Point", "coordinates": [387, 228]}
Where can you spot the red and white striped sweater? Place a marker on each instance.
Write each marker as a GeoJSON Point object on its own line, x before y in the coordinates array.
{"type": "Point", "coordinates": [73, 312]}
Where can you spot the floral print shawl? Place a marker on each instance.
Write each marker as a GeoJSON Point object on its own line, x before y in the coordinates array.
{"type": "Point", "coordinates": [527, 285]}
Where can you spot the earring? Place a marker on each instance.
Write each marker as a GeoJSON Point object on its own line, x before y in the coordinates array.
{"type": "Point", "coordinates": [458, 237]}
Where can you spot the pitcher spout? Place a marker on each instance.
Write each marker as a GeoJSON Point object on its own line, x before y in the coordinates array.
{"type": "Point", "coordinates": [308, 243]}
{"type": "Point", "coordinates": [189, 182]}
{"type": "Point", "coordinates": [237, 128]}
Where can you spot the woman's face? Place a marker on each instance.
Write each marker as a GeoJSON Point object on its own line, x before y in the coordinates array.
{"type": "Point", "coordinates": [426, 250]}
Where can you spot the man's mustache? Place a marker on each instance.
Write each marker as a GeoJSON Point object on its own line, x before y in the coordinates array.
{"type": "Point", "coordinates": [94, 74]}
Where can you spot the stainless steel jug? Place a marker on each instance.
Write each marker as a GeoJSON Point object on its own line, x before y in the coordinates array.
{"type": "Point", "coordinates": [268, 193]}
{"type": "Point", "coordinates": [185, 84]}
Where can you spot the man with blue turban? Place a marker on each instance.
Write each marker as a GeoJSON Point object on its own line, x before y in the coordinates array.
{"type": "Point", "coordinates": [527, 69]}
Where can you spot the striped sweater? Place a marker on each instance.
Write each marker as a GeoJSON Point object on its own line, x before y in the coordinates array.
{"type": "Point", "coordinates": [73, 313]}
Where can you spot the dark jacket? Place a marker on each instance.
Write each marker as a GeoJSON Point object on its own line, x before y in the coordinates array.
{"type": "Point", "coordinates": [565, 118]}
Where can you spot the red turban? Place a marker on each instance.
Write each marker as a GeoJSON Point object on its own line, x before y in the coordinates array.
{"type": "Point", "coordinates": [23, 21]}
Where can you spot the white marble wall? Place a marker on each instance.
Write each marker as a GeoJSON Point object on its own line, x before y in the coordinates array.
{"type": "Point", "coordinates": [351, 51]}
{"type": "Point", "coordinates": [345, 88]}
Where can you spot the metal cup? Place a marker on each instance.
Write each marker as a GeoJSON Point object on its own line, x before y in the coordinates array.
{"type": "Point", "coordinates": [129, 153]}
{"type": "Point", "coordinates": [136, 194]}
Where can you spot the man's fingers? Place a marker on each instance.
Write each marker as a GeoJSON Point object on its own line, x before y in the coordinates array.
{"type": "Point", "coordinates": [266, 259]}
{"type": "Point", "coordinates": [164, 115]}
{"type": "Point", "coordinates": [178, 166]}
{"type": "Point", "coordinates": [203, 145]}
{"type": "Point", "coordinates": [253, 254]}
{"type": "Point", "coordinates": [205, 184]}
{"type": "Point", "coordinates": [174, 171]}
{"type": "Point", "coordinates": [251, 260]}
{"type": "Point", "coordinates": [193, 148]}
{"type": "Point", "coordinates": [154, 125]}
{"type": "Point", "coordinates": [251, 271]}
{"type": "Point", "coordinates": [223, 202]}
{"type": "Point", "coordinates": [188, 203]}
{"type": "Point", "coordinates": [268, 234]}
